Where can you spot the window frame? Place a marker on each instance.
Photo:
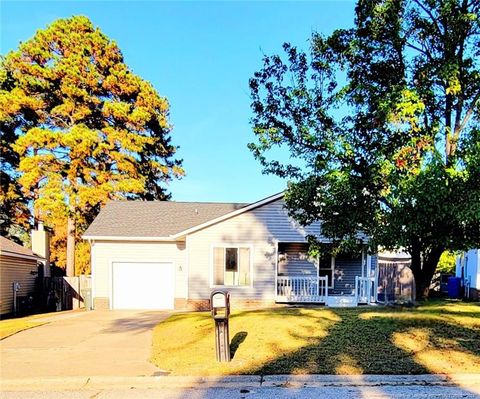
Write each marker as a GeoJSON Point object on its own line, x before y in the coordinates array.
{"type": "Point", "coordinates": [332, 269]}
{"type": "Point", "coordinates": [212, 264]}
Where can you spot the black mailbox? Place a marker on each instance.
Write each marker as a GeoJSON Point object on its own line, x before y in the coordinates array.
{"type": "Point", "coordinates": [220, 308]}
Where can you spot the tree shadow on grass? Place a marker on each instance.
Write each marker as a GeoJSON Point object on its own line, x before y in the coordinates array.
{"type": "Point", "coordinates": [374, 345]}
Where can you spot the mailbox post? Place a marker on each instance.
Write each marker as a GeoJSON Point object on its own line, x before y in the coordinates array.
{"type": "Point", "coordinates": [220, 307]}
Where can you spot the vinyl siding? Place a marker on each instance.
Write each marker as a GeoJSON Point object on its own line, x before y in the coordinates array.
{"type": "Point", "coordinates": [344, 275]}
{"type": "Point", "coordinates": [106, 252]}
{"type": "Point", "coordinates": [472, 267]}
{"type": "Point", "coordinates": [15, 269]}
{"type": "Point", "coordinates": [261, 228]}
{"type": "Point", "coordinates": [297, 262]}
{"type": "Point", "coordinates": [374, 265]}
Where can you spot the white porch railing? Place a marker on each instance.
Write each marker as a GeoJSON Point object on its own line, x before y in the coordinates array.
{"type": "Point", "coordinates": [302, 289]}
{"type": "Point", "coordinates": [365, 289]}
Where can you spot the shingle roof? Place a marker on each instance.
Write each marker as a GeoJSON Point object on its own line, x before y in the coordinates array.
{"type": "Point", "coordinates": [154, 218]}
{"type": "Point", "coordinates": [8, 246]}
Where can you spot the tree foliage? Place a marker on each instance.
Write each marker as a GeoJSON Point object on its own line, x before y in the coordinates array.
{"type": "Point", "coordinates": [89, 129]}
{"type": "Point", "coordinates": [446, 263]}
{"type": "Point", "coordinates": [14, 212]}
{"type": "Point", "coordinates": [381, 125]}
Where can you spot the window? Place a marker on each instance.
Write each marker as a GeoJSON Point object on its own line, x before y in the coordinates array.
{"type": "Point", "coordinates": [326, 268]}
{"type": "Point", "coordinates": [231, 266]}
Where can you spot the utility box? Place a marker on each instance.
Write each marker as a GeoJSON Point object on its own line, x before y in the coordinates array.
{"type": "Point", "coordinates": [87, 298]}
{"type": "Point", "coordinates": [220, 308]}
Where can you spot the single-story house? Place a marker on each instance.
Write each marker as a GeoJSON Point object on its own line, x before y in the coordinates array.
{"type": "Point", "coordinates": [171, 255]}
{"type": "Point", "coordinates": [468, 269]}
{"type": "Point", "coordinates": [19, 266]}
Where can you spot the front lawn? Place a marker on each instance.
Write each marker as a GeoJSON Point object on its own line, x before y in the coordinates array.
{"type": "Point", "coordinates": [12, 326]}
{"type": "Point", "coordinates": [440, 337]}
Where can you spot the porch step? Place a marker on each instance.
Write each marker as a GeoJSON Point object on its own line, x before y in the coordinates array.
{"type": "Point", "coordinates": [341, 301]}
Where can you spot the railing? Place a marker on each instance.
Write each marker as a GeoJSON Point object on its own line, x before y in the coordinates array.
{"type": "Point", "coordinates": [364, 289]}
{"type": "Point", "coordinates": [302, 289]}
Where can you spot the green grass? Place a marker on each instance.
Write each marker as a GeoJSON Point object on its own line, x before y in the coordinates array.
{"type": "Point", "coordinates": [440, 337]}
{"type": "Point", "coordinates": [9, 327]}
{"type": "Point", "coordinates": [13, 326]}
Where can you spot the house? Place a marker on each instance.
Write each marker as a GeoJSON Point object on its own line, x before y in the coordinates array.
{"type": "Point", "coordinates": [18, 268]}
{"type": "Point", "coordinates": [170, 255]}
{"type": "Point", "coordinates": [468, 269]}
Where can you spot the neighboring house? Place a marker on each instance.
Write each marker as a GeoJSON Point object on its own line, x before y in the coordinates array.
{"type": "Point", "coordinates": [17, 264]}
{"type": "Point", "coordinates": [166, 255]}
{"type": "Point", "coordinates": [468, 269]}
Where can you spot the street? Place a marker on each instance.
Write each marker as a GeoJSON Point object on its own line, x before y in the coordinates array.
{"type": "Point", "coordinates": [347, 392]}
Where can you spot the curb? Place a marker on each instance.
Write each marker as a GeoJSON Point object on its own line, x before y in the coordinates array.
{"type": "Point", "coordinates": [254, 381]}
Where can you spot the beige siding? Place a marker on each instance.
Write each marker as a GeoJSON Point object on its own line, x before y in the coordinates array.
{"type": "Point", "coordinates": [106, 252]}
{"type": "Point", "coordinates": [261, 228]}
{"type": "Point", "coordinates": [15, 269]}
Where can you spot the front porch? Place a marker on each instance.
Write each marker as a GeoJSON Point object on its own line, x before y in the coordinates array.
{"type": "Point", "coordinates": [342, 281]}
{"type": "Point", "coordinates": [315, 290]}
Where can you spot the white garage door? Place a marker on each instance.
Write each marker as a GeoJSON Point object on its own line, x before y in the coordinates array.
{"type": "Point", "coordinates": [143, 285]}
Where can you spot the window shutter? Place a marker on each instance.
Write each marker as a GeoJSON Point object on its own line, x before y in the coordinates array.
{"type": "Point", "coordinates": [244, 266]}
{"type": "Point", "coordinates": [218, 265]}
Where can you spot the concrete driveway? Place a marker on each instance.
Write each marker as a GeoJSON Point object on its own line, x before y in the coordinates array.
{"type": "Point", "coordinates": [97, 343]}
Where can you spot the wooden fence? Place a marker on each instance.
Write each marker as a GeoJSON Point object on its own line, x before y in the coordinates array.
{"type": "Point", "coordinates": [395, 282]}
{"type": "Point", "coordinates": [62, 293]}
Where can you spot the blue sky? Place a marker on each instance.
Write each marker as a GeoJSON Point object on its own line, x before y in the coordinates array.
{"type": "Point", "coordinates": [199, 55]}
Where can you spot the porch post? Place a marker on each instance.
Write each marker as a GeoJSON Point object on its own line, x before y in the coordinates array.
{"type": "Point", "coordinates": [363, 261]}
{"type": "Point", "coordinates": [376, 280]}
{"type": "Point", "coordinates": [276, 270]}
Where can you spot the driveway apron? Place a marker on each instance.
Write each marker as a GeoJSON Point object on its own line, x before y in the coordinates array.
{"type": "Point", "coordinates": [97, 343]}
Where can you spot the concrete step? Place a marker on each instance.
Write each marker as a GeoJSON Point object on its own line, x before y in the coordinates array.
{"type": "Point", "coordinates": [342, 301]}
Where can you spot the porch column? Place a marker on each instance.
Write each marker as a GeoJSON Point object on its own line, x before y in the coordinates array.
{"type": "Point", "coordinates": [276, 271]}
{"type": "Point", "coordinates": [364, 264]}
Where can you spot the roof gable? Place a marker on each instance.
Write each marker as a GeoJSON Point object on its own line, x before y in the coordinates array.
{"type": "Point", "coordinates": [237, 212]}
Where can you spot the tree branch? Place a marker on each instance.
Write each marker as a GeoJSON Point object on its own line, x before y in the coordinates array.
{"type": "Point", "coordinates": [418, 49]}
{"type": "Point", "coordinates": [429, 13]}
{"type": "Point", "coordinates": [467, 117]}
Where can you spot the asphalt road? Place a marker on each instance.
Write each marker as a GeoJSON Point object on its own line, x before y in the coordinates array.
{"type": "Point", "coordinates": [350, 392]}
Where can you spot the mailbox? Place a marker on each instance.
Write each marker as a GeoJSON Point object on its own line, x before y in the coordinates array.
{"type": "Point", "coordinates": [220, 308]}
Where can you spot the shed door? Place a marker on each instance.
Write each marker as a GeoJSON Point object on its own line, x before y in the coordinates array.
{"type": "Point", "coordinates": [143, 285]}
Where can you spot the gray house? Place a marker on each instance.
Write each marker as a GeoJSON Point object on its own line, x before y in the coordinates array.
{"type": "Point", "coordinates": [170, 255]}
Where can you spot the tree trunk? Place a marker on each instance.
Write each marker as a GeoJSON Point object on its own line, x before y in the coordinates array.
{"type": "Point", "coordinates": [423, 268]}
{"type": "Point", "coordinates": [70, 271]}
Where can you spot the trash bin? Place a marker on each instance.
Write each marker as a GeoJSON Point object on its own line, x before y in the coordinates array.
{"type": "Point", "coordinates": [454, 285]}
{"type": "Point", "coordinates": [87, 298]}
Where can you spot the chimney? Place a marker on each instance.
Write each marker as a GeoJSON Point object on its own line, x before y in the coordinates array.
{"type": "Point", "coordinates": [41, 246]}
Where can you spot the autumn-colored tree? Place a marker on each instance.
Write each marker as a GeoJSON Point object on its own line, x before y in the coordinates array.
{"type": "Point", "coordinates": [91, 129]}
{"type": "Point", "coordinates": [14, 212]}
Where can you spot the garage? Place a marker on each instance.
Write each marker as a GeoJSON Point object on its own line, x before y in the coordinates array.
{"type": "Point", "coordinates": [143, 285]}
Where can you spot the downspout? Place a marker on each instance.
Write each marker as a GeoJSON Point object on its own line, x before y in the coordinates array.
{"type": "Point", "coordinates": [92, 270]}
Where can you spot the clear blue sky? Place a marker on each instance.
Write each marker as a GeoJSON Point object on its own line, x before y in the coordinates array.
{"type": "Point", "coordinates": [199, 55]}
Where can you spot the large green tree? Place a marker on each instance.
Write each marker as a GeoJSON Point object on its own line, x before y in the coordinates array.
{"type": "Point", "coordinates": [88, 128]}
{"type": "Point", "coordinates": [378, 128]}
